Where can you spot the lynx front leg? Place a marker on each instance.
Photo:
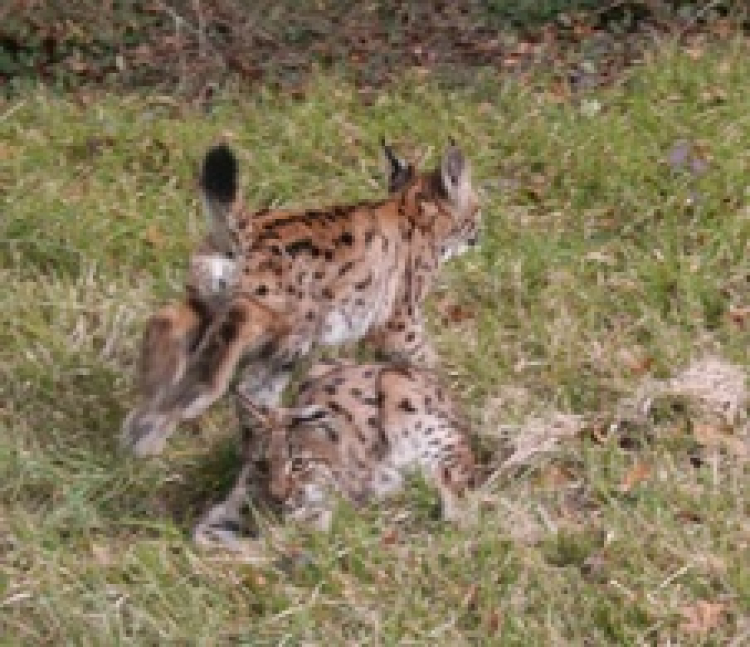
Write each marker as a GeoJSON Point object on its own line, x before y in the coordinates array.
{"type": "Point", "coordinates": [222, 525]}
{"type": "Point", "coordinates": [403, 337]}
{"type": "Point", "coordinates": [243, 328]}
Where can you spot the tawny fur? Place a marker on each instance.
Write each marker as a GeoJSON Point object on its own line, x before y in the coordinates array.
{"type": "Point", "coordinates": [356, 432]}
{"type": "Point", "coordinates": [306, 278]}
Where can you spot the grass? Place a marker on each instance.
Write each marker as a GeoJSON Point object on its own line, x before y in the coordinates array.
{"type": "Point", "coordinates": [606, 271]}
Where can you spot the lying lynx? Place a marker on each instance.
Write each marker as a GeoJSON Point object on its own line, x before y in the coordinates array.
{"type": "Point", "coordinates": [305, 278]}
{"type": "Point", "coordinates": [355, 431]}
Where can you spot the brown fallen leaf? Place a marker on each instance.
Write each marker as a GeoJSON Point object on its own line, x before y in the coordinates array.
{"type": "Point", "coordinates": [154, 236]}
{"type": "Point", "coordinates": [636, 361]}
{"type": "Point", "coordinates": [702, 617]}
{"type": "Point", "coordinates": [739, 315]}
{"type": "Point", "coordinates": [454, 313]}
{"type": "Point", "coordinates": [494, 621]}
{"type": "Point", "coordinates": [389, 537]}
{"type": "Point", "coordinates": [471, 597]}
{"type": "Point", "coordinates": [637, 474]}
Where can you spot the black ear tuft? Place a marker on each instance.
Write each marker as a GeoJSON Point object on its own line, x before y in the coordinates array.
{"type": "Point", "coordinates": [219, 176]}
{"type": "Point", "coordinates": [399, 172]}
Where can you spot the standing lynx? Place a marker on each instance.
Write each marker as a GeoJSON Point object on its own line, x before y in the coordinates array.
{"type": "Point", "coordinates": [305, 278]}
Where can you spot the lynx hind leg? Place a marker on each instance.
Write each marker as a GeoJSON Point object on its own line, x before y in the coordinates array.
{"type": "Point", "coordinates": [243, 327]}
{"type": "Point", "coordinates": [167, 340]}
{"type": "Point", "coordinates": [165, 348]}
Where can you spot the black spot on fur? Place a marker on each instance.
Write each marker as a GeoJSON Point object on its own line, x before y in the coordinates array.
{"type": "Point", "coordinates": [406, 405]}
{"type": "Point", "coordinates": [346, 267]}
{"type": "Point", "coordinates": [328, 254]}
{"type": "Point", "coordinates": [261, 290]}
{"type": "Point", "coordinates": [346, 238]}
{"type": "Point", "coordinates": [332, 434]}
{"type": "Point", "coordinates": [364, 283]}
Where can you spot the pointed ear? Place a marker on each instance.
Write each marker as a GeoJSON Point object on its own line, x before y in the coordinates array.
{"type": "Point", "coordinates": [398, 171]}
{"type": "Point", "coordinates": [455, 174]}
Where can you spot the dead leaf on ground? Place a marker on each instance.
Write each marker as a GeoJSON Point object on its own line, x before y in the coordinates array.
{"type": "Point", "coordinates": [637, 474]}
{"type": "Point", "coordinates": [154, 236]}
{"type": "Point", "coordinates": [453, 313]}
{"type": "Point", "coordinates": [702, 617]}
{"type": "Point", "coordinates": [389, 537]}
{"type": "Point", "coordinates": [471, 597]}
{"type": "Point", "coordinates": [494, 621]}
{"type": "Point", "coordinates": [739, 315]}
{"type": "Point", "coordinates": [709, 435]}
{"type": "Point", "coordinates": [636, 361]}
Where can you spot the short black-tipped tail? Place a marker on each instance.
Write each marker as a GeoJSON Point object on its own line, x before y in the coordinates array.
{"type": "Point", "coordinates": [219, 176]}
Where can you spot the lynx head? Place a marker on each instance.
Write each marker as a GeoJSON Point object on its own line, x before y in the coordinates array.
{"type": "Point", "coordinates": [446, 204]}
